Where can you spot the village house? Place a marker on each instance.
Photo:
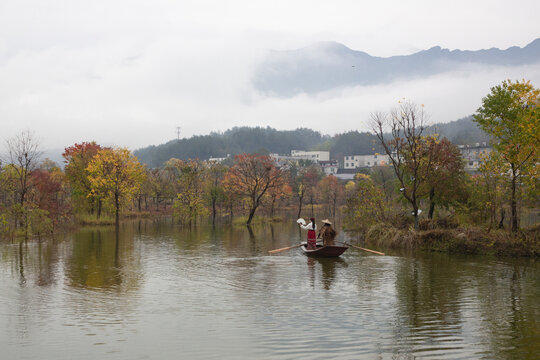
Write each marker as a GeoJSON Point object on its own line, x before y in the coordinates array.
{"type": "Point", "coordinates": [473, 155]}
{"type": "Point", "coordinates": [362, 161]}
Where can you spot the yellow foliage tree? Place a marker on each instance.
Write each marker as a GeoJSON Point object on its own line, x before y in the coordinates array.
{"type": "Point", "coordinates": [511, 114]}
{"type": "Point", "coordinates": [115, 175]}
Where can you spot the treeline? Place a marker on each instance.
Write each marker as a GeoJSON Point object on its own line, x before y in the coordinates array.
{"type": "Point", "coordinates": [241, 140]}
{"type": "Point", "coordinates": [423, 187]}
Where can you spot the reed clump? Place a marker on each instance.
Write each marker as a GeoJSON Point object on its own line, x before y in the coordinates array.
{"type": "Point", "coordinates": [462, 240]}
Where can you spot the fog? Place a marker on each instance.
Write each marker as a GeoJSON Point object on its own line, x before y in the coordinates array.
{"type": "Point", "coordinates": [127, 74]}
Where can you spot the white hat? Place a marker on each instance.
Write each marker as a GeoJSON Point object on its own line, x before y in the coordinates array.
{"type": "Point", "coordinates": [326, 221]}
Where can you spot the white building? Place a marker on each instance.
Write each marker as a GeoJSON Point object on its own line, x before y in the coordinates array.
{"type": "Point", "coordinates": [311, 155]}
{"type": "Point", "coordinates": [473, 155]}
{"type": "Point", "coordinates": [329, 167]}
{"type": "Point", "coordinates": [359, 161]}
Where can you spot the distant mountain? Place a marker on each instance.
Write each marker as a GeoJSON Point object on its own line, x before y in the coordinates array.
{"type": "Point", "coordinates": [328, 65]}
{"type": "Point", "coordinates": [268, 140]}
{"type": "Point", "coordinates": [460, 132]}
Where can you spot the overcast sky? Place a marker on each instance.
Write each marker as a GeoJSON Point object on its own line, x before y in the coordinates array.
{"type": "Point", "coordinates": [127, 73]}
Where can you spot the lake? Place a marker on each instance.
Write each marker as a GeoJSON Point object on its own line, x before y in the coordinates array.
{"type": "Point", "coordinates": [160, 291]}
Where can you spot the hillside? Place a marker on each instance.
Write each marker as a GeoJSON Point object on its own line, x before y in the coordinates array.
{"type": "Point", "coordinates": [329, 65]}
{"type": "Point", "coordinates": [268, 140]}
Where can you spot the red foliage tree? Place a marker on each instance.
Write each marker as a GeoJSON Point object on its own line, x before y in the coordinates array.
{"type": "Point", "coordinates": [251, 177]}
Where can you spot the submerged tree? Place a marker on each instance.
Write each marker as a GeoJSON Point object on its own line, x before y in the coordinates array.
{"type": "Point", "coordinates": [331, 192]}
{"type": "Point", "coordinates": [511, 114]}
{"type": "Point", "coordinates": [251, 177]}
{"type": "Point", "coordinates": [116, 175]}
{"type": "Point", "coordinates": [23, 155]}
{"type": "Point", "coordinates": [189, 204]}
{"type": "Point", "coordinates": [214, 186]}
{"type": "Point", "coordinates": [77, 158]}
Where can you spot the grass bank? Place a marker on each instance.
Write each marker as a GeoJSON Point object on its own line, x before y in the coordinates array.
{"type": "Point", "coordinates": [469, 240]}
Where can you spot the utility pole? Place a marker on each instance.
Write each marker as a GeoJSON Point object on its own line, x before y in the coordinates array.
{"type": "Point", "coordinates": [178, 132]}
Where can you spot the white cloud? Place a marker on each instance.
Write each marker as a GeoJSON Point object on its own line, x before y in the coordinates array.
{"type": "Point", "coordinates": [127, 73]}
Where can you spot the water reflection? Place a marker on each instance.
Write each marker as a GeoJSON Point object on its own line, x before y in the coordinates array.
{"type": "Point", "coordinates": [102, 259]}
{"type": "Point", "coordinates": [154, 282]}
{"type": "Point", "coordinates": [327, 268]}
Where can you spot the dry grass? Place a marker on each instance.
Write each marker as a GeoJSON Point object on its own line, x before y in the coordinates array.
{"type": "Point", "coordinates": [469, 240]}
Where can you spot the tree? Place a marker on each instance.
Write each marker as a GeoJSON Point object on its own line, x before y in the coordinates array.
{"type": "Point", "coordinates": [77, 158]}
{"type": "Point", "coordinates": [49, 193]}
{"type": "Point", "coordinates": [365, 203]}
{"type": "Point", "coordinates": [189, 203]}
{"type": "Point", "coordinates": [252, 176]}
{"type": "Point", "coordinates": [216, 173]}
{"type": "Point", "coordinates": [280, 191]}
{"type": "Point", "coordinates": [304, 178]}
{"type": "Point", "coordinates": [445, 177]}
{"type": "Point", "coordinates": [384, 176]}
{"type": "Point", "coordinates": [511, 114]}
{"type": "Point", "coordinates": [23, 154]}
{"type": "Point", "coordinates": [116, 175]}
{"type": "Point", "coordinates": [160, 186]}
{"type": "Point", "coordinates": [331, 191]}
{"type": "Point", "coordinates": [488, 192]}
{"type": "Point", "coordinates": [407, 156]}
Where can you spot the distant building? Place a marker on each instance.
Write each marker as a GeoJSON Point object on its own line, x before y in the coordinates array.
{"type": "Point", "coordinates": [311, 155]}
{"type": "Point", "coordinates": [218, 159]}
{"type": "Point", "coordinates": [360, 161]}
{"type": "Point", "coordinates": [282, 160]}
{"type": "Point", "coordinates": [473, 155]}
{"type": "Point", "coordinates": [329, 167]}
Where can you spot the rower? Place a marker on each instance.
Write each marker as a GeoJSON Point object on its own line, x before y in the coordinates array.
{"type": "Point", "coordinates": [327, 233]}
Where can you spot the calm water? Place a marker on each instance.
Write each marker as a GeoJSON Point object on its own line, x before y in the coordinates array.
{"type": "Point", "coordinates": [162, 292]}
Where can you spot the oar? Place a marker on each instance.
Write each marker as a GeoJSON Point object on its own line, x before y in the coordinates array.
{"type": "Point", "coordinates": [285, 248]}
{"type": "Point", "coordinates": [361, 248]}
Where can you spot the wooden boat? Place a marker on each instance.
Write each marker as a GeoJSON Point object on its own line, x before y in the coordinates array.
{"type": "Point", "coordinates": [324, 251]}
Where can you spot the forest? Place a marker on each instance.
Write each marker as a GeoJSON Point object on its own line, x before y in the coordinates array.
{"type": "Point", "coordinates": [422, 198]}
{"type": "Point", "coordinates": [242, 140]}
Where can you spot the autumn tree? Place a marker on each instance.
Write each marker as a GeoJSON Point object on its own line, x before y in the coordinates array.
{"type": "Point", "coordinates": [488, 190]}
{"type": "Point", "coordinates": [49, 193]}
{"type": "Point", "coordinates": [405, 149]}
{"type": "Point", "coordinates": [445, 175]}
{"type": "Point", "coordinates": [77, 158]}
{"type": "Point", "coordinates": [115, 175]}
{"type": "Point", "coordinates": [304, 180]}
{"type": "Point", "coordinates": [280, 191]}
{"type": "Point", "coordinates": [384, 176]}
{"type": "Point", "coordinates": [365, 203]}
{"type": "Point", "coordinates": [511, 114]}
{"type": "Point", "coordinates": [160, 186]}
{"type": "Point", "coordinates": [214, 186]}
{"type": "Point", "coordinates": [9, 203]}
{"type": "Point", "coordinates": [252, 176]}
{"type": "Point", "coordinates": [331, 191]}
{"type": "Point", "coordinates": [189, 204]}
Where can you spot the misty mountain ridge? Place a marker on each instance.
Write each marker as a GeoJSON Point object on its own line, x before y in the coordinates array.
{"type": "Point", "coordinates": [329, 65]}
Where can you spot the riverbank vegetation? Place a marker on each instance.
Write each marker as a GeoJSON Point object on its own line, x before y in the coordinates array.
{"type": "Point", "coordinates": [422, 198]}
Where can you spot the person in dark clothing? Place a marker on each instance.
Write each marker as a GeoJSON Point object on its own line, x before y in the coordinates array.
{"type": "Point", "coordinates": [327, 233]}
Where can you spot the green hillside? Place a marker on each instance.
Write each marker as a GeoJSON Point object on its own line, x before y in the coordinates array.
{"type": "Point", "coordinates": [268, 140]}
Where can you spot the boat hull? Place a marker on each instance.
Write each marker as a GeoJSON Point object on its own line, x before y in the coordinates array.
{"type": "Point", "coordinates": [324, 251]}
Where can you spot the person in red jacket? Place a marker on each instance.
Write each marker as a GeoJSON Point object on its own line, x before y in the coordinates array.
{"type": "Point", "coordinates": [311, 234]}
